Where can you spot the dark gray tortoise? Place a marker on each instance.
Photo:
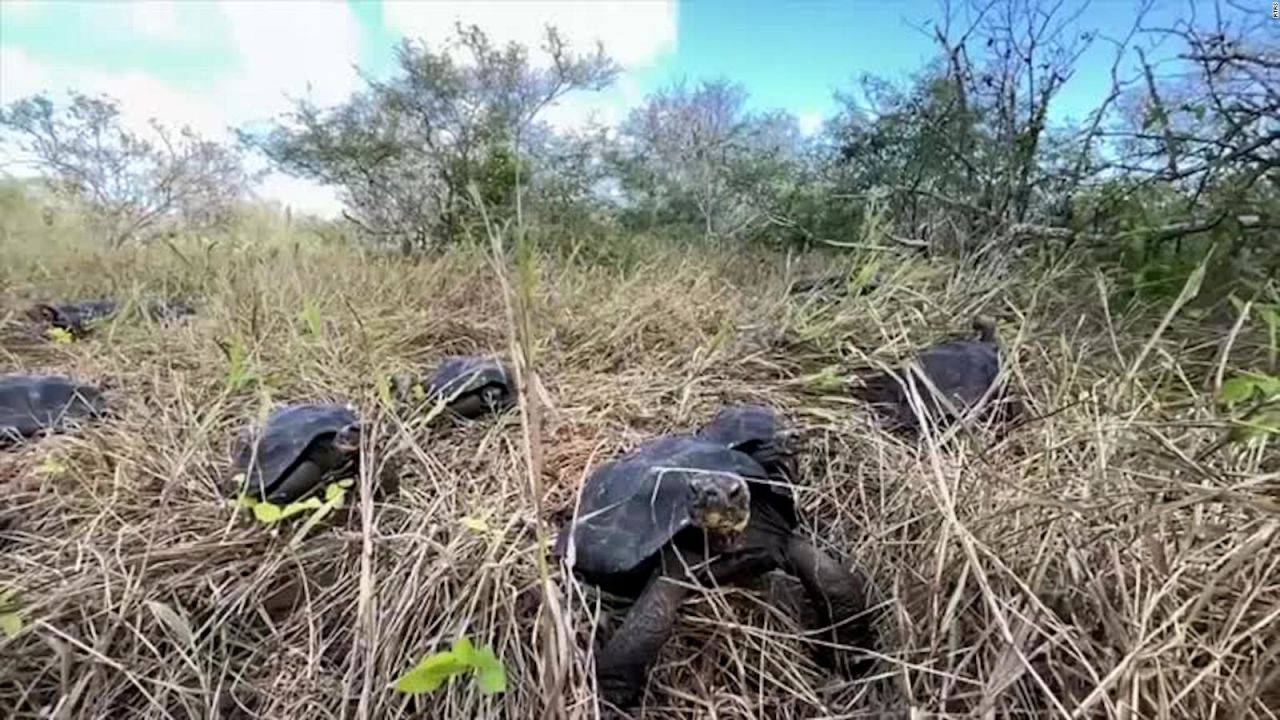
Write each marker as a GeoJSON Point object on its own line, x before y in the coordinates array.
{"type": "Point", "coordinates": [690, 507]}
{"type": "Point", "coordinates": [77, 317]}
{"type": "Point", "coordinates": [73, 317]}
{"type": "Point", "coordinates": [962, 371]}
{"type": "Point", "coordinates": [298, 449]}
{"type": "Point", "coordinates": [34, 404]}
{"type": "Point", "coordinates": [757, 431]}
{"type": "Point", "coordinates": [472, 386]}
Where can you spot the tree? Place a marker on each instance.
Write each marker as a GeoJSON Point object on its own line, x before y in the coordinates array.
{"type": "Point", "coordinates": [133, 185]}
{"type": "Point", "coordinates": [404, 151]}
{"type": "Point", "coordinates": [697, 155]}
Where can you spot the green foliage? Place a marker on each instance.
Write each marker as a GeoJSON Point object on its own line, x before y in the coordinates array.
{"type": "Point", "coordinates": [487, 671]}
{"type": "Point", "coordinates": [239, 372]}
{"type": "Point", "coordinates": [60, 336]}
{"type": "Point", "coordinates": [11, 622]}
{"type": "Point", "coordinates": [311, 320]}
{"type": "Point", "coordinates": [1248, 387]}
{"type": "Point", "coordinates": [51, 467]}
{"type": "Point", "coordinates": [1259, 395]}
{"type": "Point", "coordinates": [405, 150]}
{"type": "Point", "coordinates": [267, 513]}
{"type": "Point", "coordinates": [476, 525]}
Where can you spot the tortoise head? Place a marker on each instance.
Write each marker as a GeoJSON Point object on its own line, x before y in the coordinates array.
{"type": "Point", "coordinates": [720, 503]}
{"type": "Point", "coordinates": [985, 326]}
{"type": "Point", "coordinates": [347, 439]}
{"type": "Point", "coordinates": [494, 396]}
{"type": "Point", "coordinates": [42, 312]}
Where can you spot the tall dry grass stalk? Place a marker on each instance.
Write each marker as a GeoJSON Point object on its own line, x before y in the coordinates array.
{"type": "Point", "coordinates": [1113, 559]}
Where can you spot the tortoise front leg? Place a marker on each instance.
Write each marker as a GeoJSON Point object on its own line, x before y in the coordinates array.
{"type": "Point", "coordinates": [622, 665]}
{"type": "Point", "coordinates": [841, 597]}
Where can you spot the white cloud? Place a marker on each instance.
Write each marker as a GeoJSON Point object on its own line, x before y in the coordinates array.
{"type": "Point", "coordinates": [292, 46]}
{"type": "Point", "coordinates": [157, 18]}
{"type": "Point", "coordinates": [634, 32]}
{"type": "Point", "coordinates": [283, 48]}
{"type": "Point", "coordinates": [20, 8]}
{"type": "Point", "coordinates": [20, 75]}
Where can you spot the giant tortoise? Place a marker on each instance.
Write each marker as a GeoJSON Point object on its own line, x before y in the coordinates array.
{"type": "Point", "coordinates": [78, 317]}
{"type": "Point", "coordinates": [692, 507]}
{"type": "Point", "coordinates": [299, 448]}
{"type": "Point", "coordinates": [472, 386]}
{"type": "Point", "coordinates": [963, 372]}
{"type": "Point", "coordinates": [35, 404]}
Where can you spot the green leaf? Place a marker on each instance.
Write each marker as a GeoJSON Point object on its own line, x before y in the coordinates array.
{"type": "Point", "coordinates": [11, 623]}
{"type": "Point", "coordinates": [1236, 390]}
{"type": "Point", "coordinates": [245, 501]}
{"type": "Point", "coordinates": [464, 651]}
{"type": "Point", "coordinates": [429, 674]}
{"type": "Point", "coordinates": [238, 373]}
{"type": "Point", "coordinates": [827, 379]}
{"type": "Point", "coordinates": [300, 506]}
{"type": "Point", "coordinates": [384, 391]}
{"type": "Point", "coordinates": [310, 316]}
{"type": "Point", "coordinates": [1246, 386]}
{"type": "Point", "coordinates": [51, 467]}
{"type": "Point", "coordinates": [334, 493]}
{"type": "Point", "coordinates": [59, 336]}
{"type": "Point", "coordinates": [267, 513]}
{"type": "Point", "coordinates": [417, 392]}
{"type": "Point", "coordinates": [475, 524]}
{"type": "Point", "coordinates": [346, 483]}
{"type": "Point", "coordinates": [491, 676]}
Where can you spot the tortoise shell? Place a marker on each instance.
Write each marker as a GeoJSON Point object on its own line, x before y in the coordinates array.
{"type": "Point", "coordinates": [472, 386]}
{"type": "Point", "coordinates": [32, 404]}
{"type": "Point", "coordinates": [296, 450]}
{"type": "Point", "coordinates": [962, 371]}
{"type": "Point", "coordinates": [758, 431]}
{"type": "Point", "coordinates": [635, 504]}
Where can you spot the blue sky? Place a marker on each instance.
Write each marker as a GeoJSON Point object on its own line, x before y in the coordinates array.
{"type": "Point", "coordinates": [214, 64]}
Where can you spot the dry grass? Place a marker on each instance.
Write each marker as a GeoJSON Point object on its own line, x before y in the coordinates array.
{"type": "Point", "coordinates": [1112, 560]}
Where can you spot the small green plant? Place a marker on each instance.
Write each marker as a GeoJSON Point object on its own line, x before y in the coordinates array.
{"type": "Point", "coordinates": [433, 670]}
{"type": "Point", "coordinates": [826, 380]}
{"type": "Point", "coordinates": [60, 336]}
{"type": "Point", "coordinates": [51, 467]}
{"type": "Point", "coordinates": [385, 392]}
{"type": "Point", "coordinates": [311, 319]}
{"type": "Point", "coordinates": [476, 525]}
{"type": "Point", "coordinates": [1249, 386]}
{"type": "Point", "coordinates": [10, 613]}
{"type": "Point", "coordinates": [866, 273]}
{"type": "Point", "coordinates": [1262, 392]}
{"type": "Point", "coordinates": [268, 513]}
{"type": "Point", "coordinates": [239, 374]}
